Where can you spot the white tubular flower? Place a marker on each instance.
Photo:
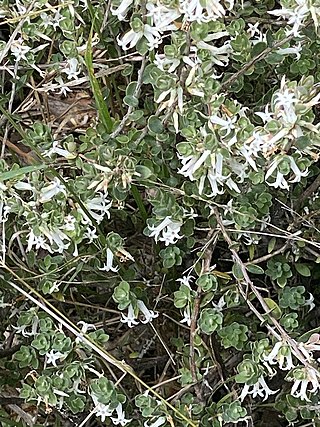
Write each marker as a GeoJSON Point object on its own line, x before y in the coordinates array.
{"type": "Point", "coordinates": [85, 327]}
{"type": "Point", "coordinates": [37, 241]}
{"type": "Point", "coordinates": [57, 237]}
{"type": "Point", "coordinates": [23, 186]}
{"type": "Point", "coordinates": [294, 16]}
{"type": "Point", "coordinates": [310, 302]}
{"type": "Point", "coordinates": [185, 280]}
{"type": "Point", "coordinates": [219, 55]}
{"type": "Point", "coordinates": [171, 234]}
{"type": "Point", "coordinates": [252, 148]}
{"type": "Point", "coordinates": [91, 234]}
{"type": "Point", "coordinates": [295, 50]}
{"type": "Point", "coordinates": [280, 181]}
{"type": "Point", "coordinates": [121, 11]}
{"type": "Point", "coordinates": [54, 21]}
{"type": "Point", "coordinates": [56, 149]}
{"type": "Point", "coordinates": [300, 386]}
{"type": "Point", "coordinates": [47, 193]}
{"type": "Point", "coordinates": [162, 17]}
{"type": "Point", "coordinates": [192, 163]}
{"type": "Point", "coordinates": [72, 69]}
{"type": "Point", "coordinates": [202, 11]}
{"type": "Point", "coordinates": [148, 314]}
{"type": "Point", "coordinates": [103, 411]}
{"type": "Point", "coordinates": [313, 344]}
{"type": "Point", "coordinates": [4, 211]}
{"type": "Point", "coordinates": [120, 420]}
{"type": "Point", "coordinates": [100, 204]}
{"type": "Point", "coordinates": [266, 116]}
{"type": "Point", "coordinates": [34, 328]}
{"type": "Point", "coordinates": [53, 356]}
{"type": "Point", "coordinates": [55, 287]}
{"type": "Point", "coordinates": [260, 388]}
{"type": "Point", "coordinates": [69, 223]}
{"type": "Point", "coordinates": [152, 35]}
{"type": "Point", "coordinates": [186, 316]}
{"type": "Point", "coordinates": [285, 101]}
{"type": "Point", "coordinates": [298, 173]}
{"type": "Point", "coordinates": [157, 423]}
{"type": "Point", "coordinates": [253, 29]}
{"type": "Point", "coordinates": [166, 64]}
{"type": "Point", "coordinates": [224, 124]}
{"type": "Point", "coordinates": [216, 177]}
{"type": "Point", "coordinates": [108, 266]}
{"type": "Point", "coordinates": [130, 319]}
{"type": "Point", "coordinates": [19, 50]}
{"type": "Point", "coordinates": [281, 354]}
{"type": "Point", "coordinates": [131, 38]}
{"type": "Point", "coordinates": [169, 231]}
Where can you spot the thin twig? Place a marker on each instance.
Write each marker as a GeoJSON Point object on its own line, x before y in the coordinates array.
{"type": "Point", "coordinates": [206, 263]}
{"type": "Point", "coordinates": [268, 256]}
{"type": "Point", "coordinates": [280, 334]}
{"type": "Point", "coordinates": [6, 352]}
{"type": "Point", "coordinates": [130, 109]}
{"type": "Point", "coordinates": [225, 85]}
{"type": "Point", "coordinates": [308, 192]}
{"type": "Point", "coordinates": [163, 344]}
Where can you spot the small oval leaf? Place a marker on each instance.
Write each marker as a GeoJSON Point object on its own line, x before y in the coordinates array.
{"type": "Point", "coordinates": [275, 310]}
{"type": "Point", "coordinates": [254, 269]}
{"type": "Point", "coordinates": [303, 269]}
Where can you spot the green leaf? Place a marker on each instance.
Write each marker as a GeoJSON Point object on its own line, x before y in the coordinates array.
{"type": "Point", "coordinates": [4, 176]}
{"type": "Point", "coordinates": [155, 124]}
{"type": "Point", "coordinates": [143, 171]}
{"type": "Point", "coordinates": [258, 48]}
{"type": "Point", "coordinates": [237, 271]}
{"type": "Point", "coordinates": [271, 244]}
{"type": "Point", "coordinates": [303, 269]}
{"type": "Point", "coordinates": [275, 310]}
{"type": "Point", "coordinates": [303, 142]}
{"type": "Point", "coordinates": [255, 269]}
{"type": "Point", "coordinates": [210, 320]}
{"type": "Point", "coordinates": [138, 199]}
{"type": "Point", "coordinates": [101, 105]}
{"type": "Point", "coordinates": [131, 101]}
{"type": "Point", "coordinates": [274, 58]}
{"type": "Point", "coordinates": [182, 297]}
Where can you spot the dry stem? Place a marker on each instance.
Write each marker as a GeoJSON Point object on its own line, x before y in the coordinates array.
{"type": "Point", "coordinates": [206, 261]}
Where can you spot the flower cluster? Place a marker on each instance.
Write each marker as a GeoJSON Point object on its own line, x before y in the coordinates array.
{"type": "Point", "coordinates": [159, 198]}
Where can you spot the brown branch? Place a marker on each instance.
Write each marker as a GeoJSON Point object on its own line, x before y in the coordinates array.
{"type": "Point", "coordinates": [259, 57]}
{"type": "Point", "coordinates": [6, 352]}
{"type": "Point", "coordinates": [279, 333]}
{"type": "Point", "coordinates": [206, 262]}
{"type": "Point", "coordinates": [268, 256]}
{"type": "Point", "coordinates": [313, 187]}
{"type": "Point", "coordinates": [28, 158]}
{"type": "Point", "coordinates": [12, 400]}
